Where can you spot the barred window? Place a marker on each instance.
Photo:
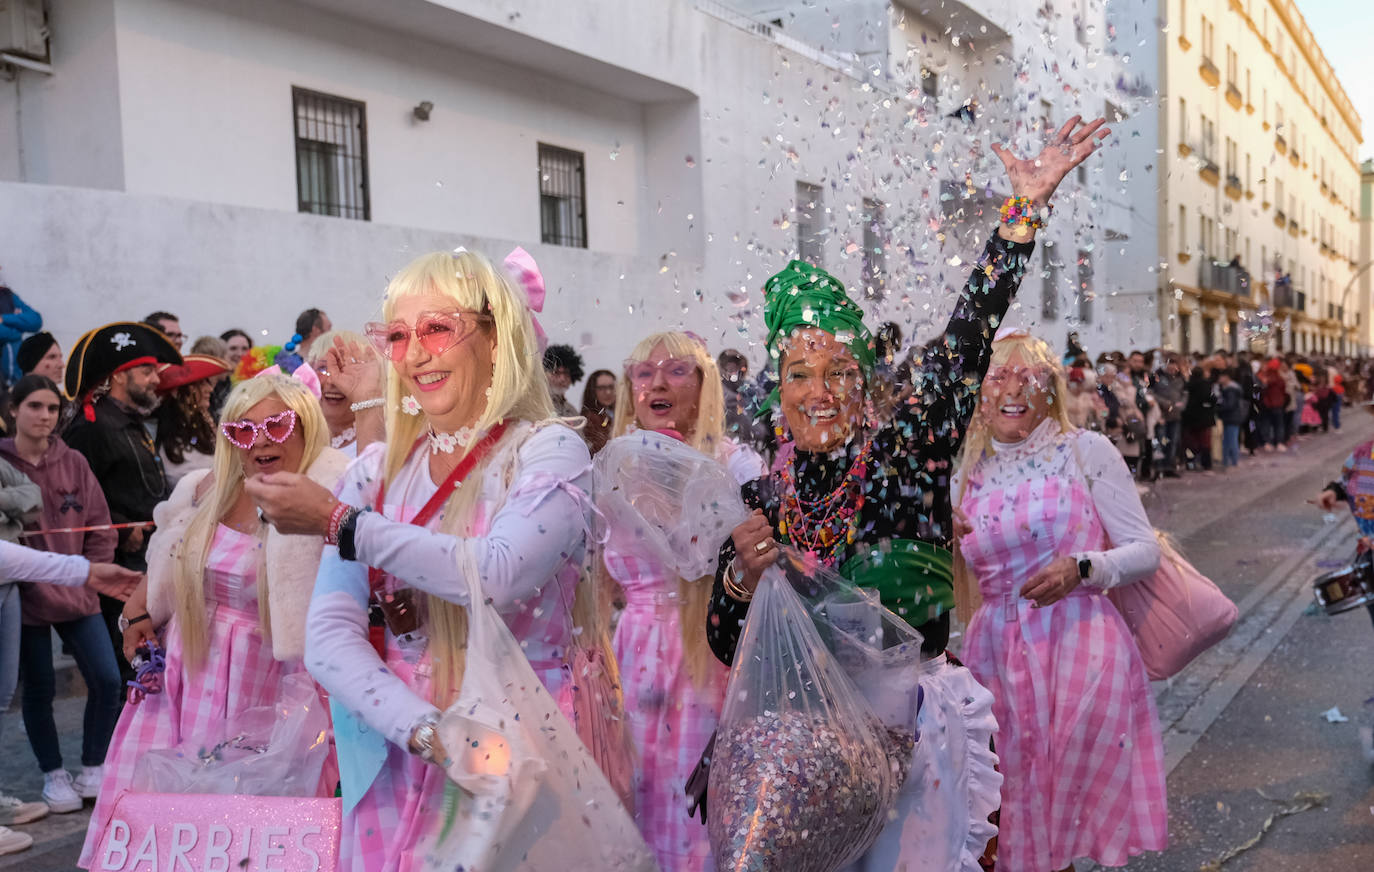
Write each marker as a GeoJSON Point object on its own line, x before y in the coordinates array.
{"type": "Point", "coordinates": [562, 197]}
{"type": "Point", "coordinates": [1049, 288]}
{"type": "Point", "coordinates": [874, 255]}
{"type": "Point", "coordinates": [810, 224]}
{"type": "Point", "coordinates": [331, 155]}
{"type": "Point", "coordinates": [1086, 292]}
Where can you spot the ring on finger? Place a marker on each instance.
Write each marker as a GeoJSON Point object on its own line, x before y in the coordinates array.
{"type": "Point", "coordinates": [763, 546]}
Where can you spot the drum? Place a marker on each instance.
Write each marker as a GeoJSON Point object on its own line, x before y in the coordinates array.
{"type": "Point", "coordinates": [1347, 588]}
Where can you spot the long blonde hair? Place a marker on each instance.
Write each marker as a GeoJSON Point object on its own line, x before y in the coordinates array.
{"type": "Point", "coordinates": [709, 429]}
{"type": "Point", "coordinates": [978, 443]}
{"type": "Point", "coordinates": [227, 477]}
{"type": "Point", "coordinates": [519, 391]}
{"type": "Point", "coordinates": [708, 437]}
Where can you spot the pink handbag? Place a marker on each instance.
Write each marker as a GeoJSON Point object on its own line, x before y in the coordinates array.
{"type": "Point", "coordinates": [1175, 614]}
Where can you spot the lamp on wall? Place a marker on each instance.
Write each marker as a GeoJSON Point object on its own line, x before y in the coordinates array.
{"type": "Point", "coordinates": [421, 112]}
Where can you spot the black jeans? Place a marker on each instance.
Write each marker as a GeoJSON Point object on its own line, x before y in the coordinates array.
{"type": "Point", "coordinates": [90, 645]}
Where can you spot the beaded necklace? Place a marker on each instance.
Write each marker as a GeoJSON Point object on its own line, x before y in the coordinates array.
{"type": "Point", "coordinates": [823, 526]}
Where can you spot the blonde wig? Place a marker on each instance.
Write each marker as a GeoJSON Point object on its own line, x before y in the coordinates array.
{"type": "Point", "coordinates": [1035, 353]}
{"type": "Point", "coordinates": [325, 341]}
{"type": "Point", "coordinates": [708, 431]}
{"type": "Point", "coordinates": [708, 437]}
{"type": "Point", "coordinates": [227, 479]}
{"type": "Point", "coordinates": [519, 392]}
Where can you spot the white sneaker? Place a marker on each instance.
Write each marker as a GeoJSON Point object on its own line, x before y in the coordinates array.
{"type": "Point", "coordinates": [87, 784]}
{"type": "Point", "coordinates": [15, 811]}
{"type": "Point", "coordinates": [58, 792]}
{"type": "Point", "coordinates": [12, 842]}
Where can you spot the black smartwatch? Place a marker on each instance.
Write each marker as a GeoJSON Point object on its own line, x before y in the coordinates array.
{"type": "Point", "coordinates": [1085, 566]}
{"type": "Point", "coordinates": [348, 550]}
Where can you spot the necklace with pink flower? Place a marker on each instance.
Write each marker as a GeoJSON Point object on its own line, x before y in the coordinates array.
{"type": "Point", "coordinates": [447, 443]}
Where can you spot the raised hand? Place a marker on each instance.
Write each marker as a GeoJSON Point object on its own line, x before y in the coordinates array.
{"type": "Point", "coordinates": [1038, 177]}
{"type": "Point", "coordinates": [355, 370]}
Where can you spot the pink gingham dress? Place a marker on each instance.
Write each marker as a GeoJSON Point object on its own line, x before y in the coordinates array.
{"type": "Point", "coordinates": [239, 672]}
{"type": "Point", "coordinates": [671, 718]}
{"type": "Point", "coordinates": [393, 824]}
{"type": "Point", "coordinates": [1077, 733]}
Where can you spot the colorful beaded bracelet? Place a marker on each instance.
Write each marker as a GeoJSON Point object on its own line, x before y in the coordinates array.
{"type": "Point", "coordinates": [1023, 211]}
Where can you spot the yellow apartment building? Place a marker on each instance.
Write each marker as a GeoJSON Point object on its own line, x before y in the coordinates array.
{"type": "Point", "coordinates": [1260, 200]}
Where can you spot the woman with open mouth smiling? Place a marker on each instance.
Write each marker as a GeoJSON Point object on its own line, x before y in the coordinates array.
{"type": "Point", "coordinates": [1049, 520]}
{"type": "Point", "coordinates": [350, 388]}
{"type": "Point", "coordinates": [227, 595]}
{"type": "Point", "coordinates": [673, 686]}
{"type": "Point", "coordinates": [470, 462]}
{"type": "Point", "coordinates": [868, 496]}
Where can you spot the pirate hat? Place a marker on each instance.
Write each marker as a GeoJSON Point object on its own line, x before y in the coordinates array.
{"type": "Point", "coordinates": [194, 368]}
{"type": "Point", "coordinates": [104, 351]}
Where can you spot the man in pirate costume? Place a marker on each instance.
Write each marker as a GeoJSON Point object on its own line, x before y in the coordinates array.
{"type": "Point", "coordinates": [112, 378]}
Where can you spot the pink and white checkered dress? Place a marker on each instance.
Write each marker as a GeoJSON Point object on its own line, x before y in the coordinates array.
{"type": "Point", "coordinates": [391, 827]}
{"type": "Point", "coordinates": [671, 718]}
{"type": "Point", "coordinates": [239, 672]}
{"type": "Point", "coordinates": [1077, 734]}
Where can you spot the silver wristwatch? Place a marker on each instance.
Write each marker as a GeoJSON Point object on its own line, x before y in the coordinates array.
{"type": "Point", "coordinates": [424, 738]}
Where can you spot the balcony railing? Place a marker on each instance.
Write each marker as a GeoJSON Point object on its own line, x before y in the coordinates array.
{"type": "Point", "coordinates": [1286, 297]}
{"type": "Point", "coordinates": [1227, 277]}
{"type": "Point", "coordinates": [1209, 72]}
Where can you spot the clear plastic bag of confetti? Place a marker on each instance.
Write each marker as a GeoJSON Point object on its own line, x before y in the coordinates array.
{"type": "Point", "coordinates": [804, 773]}
{"type": "Point", "coordinates": [664, 499]}
{"type": "Point", "coordinates": [273, 750]}
{"type": "Point", "coordinates": [878, 651]}
{"type": "Point", "coordinates": [527, 793]}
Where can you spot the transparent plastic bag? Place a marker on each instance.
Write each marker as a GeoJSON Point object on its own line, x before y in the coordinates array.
{"type": "Point", "coordinates": [273, 750]}
{"type": "Point", "coordinates": [533, 797]}
{"type": "Point", "coordinates": [878, 651]}
{"type": "Point", "coordinates": [804, 772]}
{"type": "Point", "coordinates": [661, 498]}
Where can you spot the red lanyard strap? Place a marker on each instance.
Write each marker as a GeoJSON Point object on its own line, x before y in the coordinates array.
{"type": "Point", "coordinates": [445, 489]}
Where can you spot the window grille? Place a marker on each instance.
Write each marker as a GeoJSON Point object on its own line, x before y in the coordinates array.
{"type": "Point", "coordinates": [1086, 292]}
{"type": "Point", "coordinates": [874, 255]}
{"type": "Point", "coordinates": [562, 197]}
{"type": "Point", "coordinates": [810, 224]}
{"type": "Point", "coordinates": [331, 155]}
{"type": "Point", "coordinates": [1049, 290]}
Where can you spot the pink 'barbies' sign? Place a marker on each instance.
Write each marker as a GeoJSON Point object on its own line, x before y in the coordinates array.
{"type": "Point", "coordinates": [165, 832]}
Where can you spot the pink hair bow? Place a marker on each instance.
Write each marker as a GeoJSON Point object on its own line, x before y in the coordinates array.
{"type": "Point", "coordinates": [521, 266]}
{"type": "Point", "coordinates": [303, 374]}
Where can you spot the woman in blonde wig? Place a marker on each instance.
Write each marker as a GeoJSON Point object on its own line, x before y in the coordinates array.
{"type": "Point", "coordinates": [469, 463]}
{"type": "Point", "coordinates": [228, 595]}
{"type": "Point", "coordinates": [673, 685]}
{"type": "Point", "coordinates": [1050, 519]}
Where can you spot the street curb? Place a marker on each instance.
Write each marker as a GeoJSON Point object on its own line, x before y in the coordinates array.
{"type": "Point", "coordinates": [1263, 637]}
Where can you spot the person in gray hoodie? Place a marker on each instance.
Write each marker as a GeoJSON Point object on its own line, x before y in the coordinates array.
{"type": "Point", "coordinates": [20, 502]}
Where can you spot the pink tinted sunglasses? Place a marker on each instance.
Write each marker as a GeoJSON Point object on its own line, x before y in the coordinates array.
{"type": "Point", "coordinates": [244, 434]}
{"type": "Point", "coordinates": [436, 331]}
{"type": "Point", "coordinates": [676, 371]}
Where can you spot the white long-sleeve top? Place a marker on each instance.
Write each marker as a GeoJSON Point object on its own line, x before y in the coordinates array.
{"type": "Point", "coordinates": [529, 560]}
{"type": "Point", "coordinates": [18, 563]}
{"type": "Point", "coordinates": [1132, 551]}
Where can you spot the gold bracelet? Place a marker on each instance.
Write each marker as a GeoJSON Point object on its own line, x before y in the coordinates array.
{"type": "Point", "coordinates": [732, 587]}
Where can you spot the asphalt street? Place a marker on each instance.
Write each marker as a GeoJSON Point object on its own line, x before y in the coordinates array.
{"type": "Point", "coordinates": [1245, 732]}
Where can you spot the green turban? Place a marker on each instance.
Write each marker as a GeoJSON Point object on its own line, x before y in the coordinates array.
{"type": "Point", "coordinates": [802, 295]}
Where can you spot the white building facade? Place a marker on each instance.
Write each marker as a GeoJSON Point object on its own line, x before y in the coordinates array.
{"type": "Point", "coordinates": [1256, 177]}
{"type": "Point", "coordinates": [237, 163]}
